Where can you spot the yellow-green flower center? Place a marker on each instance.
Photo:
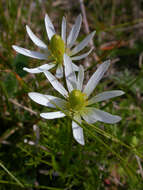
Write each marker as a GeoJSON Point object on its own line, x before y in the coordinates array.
{"type": "Point", "coordinates": [77, 100]}
{"type": "Point", "coordinates": [57, 48]}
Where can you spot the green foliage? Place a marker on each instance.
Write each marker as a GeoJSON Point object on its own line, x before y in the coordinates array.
{"type": "Point", "coordinates": [10, 84]}
{"type": "Point", "coordinates": [46, 156]}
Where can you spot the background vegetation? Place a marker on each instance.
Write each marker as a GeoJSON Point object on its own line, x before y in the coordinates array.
{"type": "Point", "coordinates": [36, 153]}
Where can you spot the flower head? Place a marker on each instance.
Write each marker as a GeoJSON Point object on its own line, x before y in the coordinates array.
{"type": "Point", "coordinates": [58, 45]}
{"type": "Point", "coordinates": [77, 101]}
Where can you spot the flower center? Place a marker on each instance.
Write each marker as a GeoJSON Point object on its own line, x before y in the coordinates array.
{"type": "Point", "coordinates": [57, 48]}
{"type": "Point", "coordinates": [77, 100]}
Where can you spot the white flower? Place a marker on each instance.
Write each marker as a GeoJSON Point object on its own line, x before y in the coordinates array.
{"type": "Point", "coordinates": [58, 45]}
{"type": "Point", "coordinates": [77, 101]}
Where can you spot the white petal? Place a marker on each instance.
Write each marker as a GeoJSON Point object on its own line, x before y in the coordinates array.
{"type": "Point", "coordinates": [96, 77]}
{"type": "Point", "coordinates": [80, 78]}
{"type": "Point", "coordinates": [83, 43]}
{"type": "Point", "coordinates": [74, 32]}
{"type": "Point", "coordinates": [39, 69]}
{"type": "Point", "coordinates": [29, 53]}
{"type": "Point", "coordinates": [47, 100]}
{"type": "Point", "coordinates": [55, 102]}
{"type": "Point", "coordinates": [35, 39]}
{"type": "Point", "coordinates": [55, 83]}
{"type": "Point", "coordinates": [39, 98]}
{"type": "Point", "coordinates": [49, 27]}
{"type": "Point", "coordinates": [92, 115]}
{"type": "Point", "coordinates": [82, 56]}
{"type": "Point", "coordinates": [78, 131]}
{"type": "Point", "coordinates": [87, 115]}
{"type": "Point", "coordinates": [105, 96]}
{"type": "Point", "coordinates": [75, 67]}
{"type": "Point", "coordinates": [59, 71]}
{"type": "Point", "coordinates": [52, 115]}
{"type": "Point", "coordinates": [69, 73]}
{"type": "Point", "coordinates": [63, 32]}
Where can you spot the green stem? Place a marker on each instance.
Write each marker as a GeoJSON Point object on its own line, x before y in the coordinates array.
{"type": "Point", "coordinates": [30, 185]}
{"type": "Point", "coordinates": [11, 175]}
{"type": "Point", "coordinates": [126, 166]}
{"type": "Point", "coordinates": [113, 138]}
{"type": "Point", "coordinates": [135, 80]}
{"type": "Point", "coordinates": [114, 27]}
{"type": "Point", "coordinates": [69, 144]}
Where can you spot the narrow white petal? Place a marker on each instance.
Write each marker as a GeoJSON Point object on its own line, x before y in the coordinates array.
{"type": "Point", "coordinates": [39, 98]}
{"type": "Point", "coordinates": [92, 115]}
{"type": "Point", "coordinates": [69, 73]}
{"type": "Point", "coordinates": [74, 32]}
{"type": "Point", "coordinates": [82, 56]}
{"type": "Point", "coordinates": [40, 69]}
{"type": "Point", "coordinates": [87, 116]}
{"type": "Point", "coordinates": [83, 43]}
{"type": "Point", "coordinates": [29, 53]}
{"type": "Point", "coordinates": [80, 78]}
{"type": "Point", "coordinates": [59, 71]}
{"type": "Point", "coordinates": [49, 27]}
{"type": "Point", "coordinates": [52, 115]}
{"type": "Point", "coordinates": [47, 100]}
{"type": "Point", "coordinates": [35, 39]}
{"type": "Point", "coordinates": [55, 102]}
{"type": "Point", "coordinates": [96, 77]}
{"type": "Point", "coordinates": [78, 131]}
{"type": "Point", "coordinates": [75, 67]}
{"type": "Point", "coordinates": [55, 83]}
{"type": "Point", "coordinates": [105, 96]}
{"type": "Point", "coordinates": [63, 32]}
